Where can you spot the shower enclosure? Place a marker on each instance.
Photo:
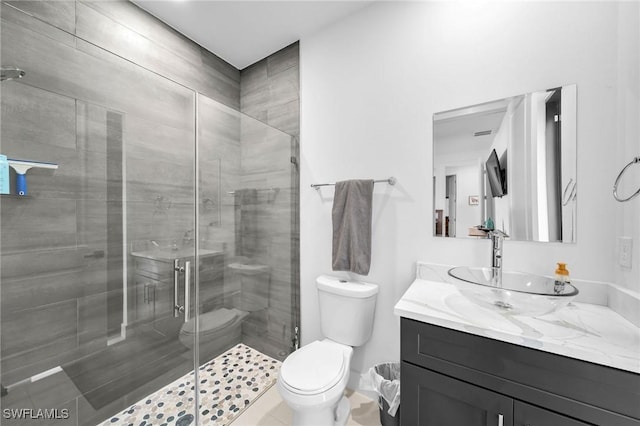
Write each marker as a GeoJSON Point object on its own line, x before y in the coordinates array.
{"type": "Point", "coordinates": [162, 232]}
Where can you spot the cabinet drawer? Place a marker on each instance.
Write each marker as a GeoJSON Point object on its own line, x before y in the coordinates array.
{"type": "Point", "coordinates": [529, 415]}
{"type": "Point", "coordinates": [433, 399]}
{"type": "Point", "coordinates": [562, 384]}
{"type": "Point", "coordinates": [153, 268]}
{"type": "Point", "coordinates": [211, 267]}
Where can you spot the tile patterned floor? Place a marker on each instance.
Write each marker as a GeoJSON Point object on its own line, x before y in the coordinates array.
{"type": "Point", "coordinates": [228, 385]}
{"type": "Point", "coordinates": [271, 410]}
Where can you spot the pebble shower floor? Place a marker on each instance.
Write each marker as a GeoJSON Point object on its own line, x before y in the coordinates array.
{"type": "Point", "coordinates": [229, 384]}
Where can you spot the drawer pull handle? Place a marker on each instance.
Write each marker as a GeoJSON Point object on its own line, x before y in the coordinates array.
{"type": "Point", "coordinates": [500, 420]}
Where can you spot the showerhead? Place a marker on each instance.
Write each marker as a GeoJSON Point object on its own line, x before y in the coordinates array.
{"type": "Point", "coordinates": [11, 73]}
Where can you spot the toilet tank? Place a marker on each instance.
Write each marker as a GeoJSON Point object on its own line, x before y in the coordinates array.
{"type": "Point", "coordinates": [346, 309]}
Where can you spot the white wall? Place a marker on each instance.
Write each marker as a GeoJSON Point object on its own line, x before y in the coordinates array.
{"type": "Point", "coordinates": [468, 183]}
{"type": "Point", "coordinates": [369, 87]}
{"type": "Point", "coordinates": [628, 136]}
{"type": "Point", "coordinates": [463, 157]}
{"type": "Point", "coordinates": [503, 211]}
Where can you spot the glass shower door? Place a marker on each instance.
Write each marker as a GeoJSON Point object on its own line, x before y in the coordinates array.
{"type": "Point", "coordinates": [248, 227]}
{"type": "Point", "coordinates": [158, 233]}
{"type": "Point", "coordinates": [95, 255]}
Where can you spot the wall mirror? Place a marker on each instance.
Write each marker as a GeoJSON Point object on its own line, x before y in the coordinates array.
{"type": "Point", "coordinates": [508, 164]}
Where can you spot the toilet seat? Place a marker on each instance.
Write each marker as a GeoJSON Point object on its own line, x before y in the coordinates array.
{"type": "Point", "coordinates": [314, 368]}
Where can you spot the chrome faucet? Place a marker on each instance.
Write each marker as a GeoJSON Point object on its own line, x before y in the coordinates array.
{"type": "Point", "coordinates": [497, 238]}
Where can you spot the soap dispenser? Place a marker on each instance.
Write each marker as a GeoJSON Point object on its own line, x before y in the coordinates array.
{"type": "Point", "coordinates": [488, 224]}
{"type": "Point", "coordinates": [562, 278]}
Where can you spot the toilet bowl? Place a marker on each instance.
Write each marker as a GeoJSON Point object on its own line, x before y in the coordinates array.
{"type": "Point", "coordinates": [313, 379]}
{"type": "Point", "coordinates": [314, 393]}
{"type": "Point", "coordinates": [218, 331]}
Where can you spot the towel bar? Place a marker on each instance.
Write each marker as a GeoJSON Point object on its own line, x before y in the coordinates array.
{"type": "Point", "coordinates": [390, 181]}
{"type": "Point", "coordinates": [615, 185]}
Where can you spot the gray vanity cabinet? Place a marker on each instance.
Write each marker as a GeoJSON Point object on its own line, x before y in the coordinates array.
{"type": "Point", "coordinates": [154, 289]}
{"type": "Point", "coordinates": [452, 378]}
{"type": "Point", "coordinates": [435, 399]}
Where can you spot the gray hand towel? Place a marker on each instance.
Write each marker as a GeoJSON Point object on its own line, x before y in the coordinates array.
{"type": "Point", "coordinates": [351, 214]}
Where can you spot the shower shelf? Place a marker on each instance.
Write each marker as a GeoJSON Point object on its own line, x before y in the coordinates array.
{"type": "Point", "coordinates": [22, 167]}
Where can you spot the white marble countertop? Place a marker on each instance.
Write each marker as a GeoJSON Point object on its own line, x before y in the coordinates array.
{"type": "Point", "coordinates": [168, 254]}
{"type": "Point", "coordinates": [588, 332]}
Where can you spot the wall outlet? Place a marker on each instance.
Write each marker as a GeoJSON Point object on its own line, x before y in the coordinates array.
{"type": "Point", "coordinates": [625, 251]}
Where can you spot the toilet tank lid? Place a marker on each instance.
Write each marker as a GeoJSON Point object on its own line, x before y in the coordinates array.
{"type": "Point", "coordinates": [346, 288]}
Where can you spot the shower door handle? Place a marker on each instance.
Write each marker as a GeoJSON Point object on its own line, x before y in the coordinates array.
{"type": "Point", "coordinates": [187, 285]}
{"type": "Point", "coordinates": [177, 269]}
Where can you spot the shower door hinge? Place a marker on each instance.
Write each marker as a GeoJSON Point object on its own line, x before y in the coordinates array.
{"type": "Point", "coordinates": [294, 160]}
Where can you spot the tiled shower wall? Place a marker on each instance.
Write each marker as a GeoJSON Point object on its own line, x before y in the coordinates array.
{"type": "Point", "coordinates": [270, 92]}
{"type": "Point", "coordinates": [104, 75]}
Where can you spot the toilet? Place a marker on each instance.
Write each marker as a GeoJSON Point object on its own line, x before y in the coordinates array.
{"type": "Point", "coordinates": [312, 379]}
{"type": "Point", "coordinates": [219, 330]}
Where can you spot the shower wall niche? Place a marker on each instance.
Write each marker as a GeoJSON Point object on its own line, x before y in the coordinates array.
{"type": "Point", "coordinates": [154, 158]}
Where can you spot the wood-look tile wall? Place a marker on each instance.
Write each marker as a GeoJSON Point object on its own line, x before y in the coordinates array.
{"type": "Point", "coordinates": [270, 90]}
{"type": "Point", "coordinates": [270, 93]}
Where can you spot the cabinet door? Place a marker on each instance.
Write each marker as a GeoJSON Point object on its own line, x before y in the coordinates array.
{"type": "Point", "coordinates": [433, 399]}
{"type": "Point", "coordinates": [163, 300]}
{"type": "Point", "coordinates": [145, 294]}
{"type": "Point", "coordinates": [530, 415]}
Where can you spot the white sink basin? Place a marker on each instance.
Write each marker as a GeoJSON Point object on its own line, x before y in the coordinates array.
{"type": "Point", "coordinates": [516, 293]}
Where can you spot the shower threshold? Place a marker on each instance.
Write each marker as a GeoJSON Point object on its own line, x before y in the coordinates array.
{"type": "Point", "coordinates": [32, 379]}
